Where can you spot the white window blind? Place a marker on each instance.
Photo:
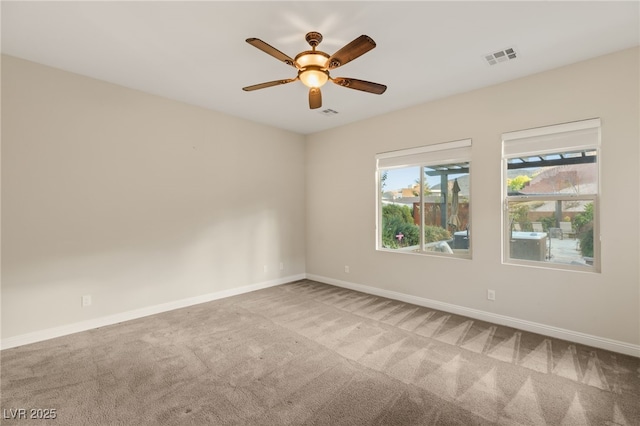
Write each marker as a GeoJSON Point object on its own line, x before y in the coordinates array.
{"type": "Point", "coordinates": [442, 153]}
{"type": "Point", "coordinates": [578, 135]}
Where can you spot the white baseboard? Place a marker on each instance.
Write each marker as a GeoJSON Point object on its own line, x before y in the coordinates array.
{"type": "Point", "coordinates": [559, 333]}
{"type": "Point", "coordinates": [50, 333]}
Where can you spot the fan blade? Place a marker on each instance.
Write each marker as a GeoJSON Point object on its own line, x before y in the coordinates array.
{"type": "Point", "coordinates": [351, 51]}
{"type": "Point", "coordinates": [270, 50]}
{"type": "Point", "coordinates": [268, 84]}
{"type": "Point", "coordinates": [315, 98]}
{"type": "Point", "coordinates": [365, 86]}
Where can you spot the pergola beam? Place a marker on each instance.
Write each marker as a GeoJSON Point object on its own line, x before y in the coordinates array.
{"type": "Point", "coordinates": [584, 159]}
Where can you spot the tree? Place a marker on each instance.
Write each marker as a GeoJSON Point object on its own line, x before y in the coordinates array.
{"type": "Point", "coordinates": [426, 190]}
{"type": "Point", "coordinates": [518, 182]}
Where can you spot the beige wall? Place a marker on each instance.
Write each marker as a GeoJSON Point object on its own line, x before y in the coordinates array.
{"type": "Point", "coordinates": [142, 201]}
{"type": "Point", "coordinates": [135, 199]}
{"type": "Point", "coordinates": [341, 200]}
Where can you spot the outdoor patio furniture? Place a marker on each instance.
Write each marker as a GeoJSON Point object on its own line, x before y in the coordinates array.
{"type": "Point", "coordinates": [567, 229]}
{"type": "Point", "coordinates": [537, 226]}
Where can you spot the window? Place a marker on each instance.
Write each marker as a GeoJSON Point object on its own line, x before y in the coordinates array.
{"type": "Point", "coordinates": [551, 185]}
{"type": "Point", "coordinates": [424, 200]}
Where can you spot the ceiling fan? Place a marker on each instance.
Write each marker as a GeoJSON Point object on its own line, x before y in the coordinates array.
{"type": "Point", "coordinates": [313, 66]}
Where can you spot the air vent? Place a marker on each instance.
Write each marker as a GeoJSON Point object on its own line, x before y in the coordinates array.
{"type": "Point", "coordinates": [501, 56]}
{"type": "Point", "coordinates": [329, 112]}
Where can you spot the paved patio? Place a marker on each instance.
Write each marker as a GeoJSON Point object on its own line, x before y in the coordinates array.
{"type": "Point", "coordinates": [565, 251]}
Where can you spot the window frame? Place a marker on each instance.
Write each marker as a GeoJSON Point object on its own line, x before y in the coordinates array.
{"type": "Point", "coordinates": [458, 151]}
{"type": "Point", "coordinates": [547, 147]}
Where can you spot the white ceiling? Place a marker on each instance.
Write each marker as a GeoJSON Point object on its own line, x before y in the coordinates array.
{"type": "Point", "coordinates": [195, 52]}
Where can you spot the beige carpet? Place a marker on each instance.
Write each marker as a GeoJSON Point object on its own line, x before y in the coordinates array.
{"type": "Point", "coordinates": [314, 354]}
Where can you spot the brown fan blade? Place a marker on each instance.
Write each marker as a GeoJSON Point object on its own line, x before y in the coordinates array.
{"type": "Point", "coordinates": [365, 86]}
{"type": "Point", "coordinates": [315, 98]}
{"type": "Point", "coordinates": [268, 84]}
{"type": "Point", "coordinates": [351, 51]}
{"type": "Point", "coordinates": [270, 50]}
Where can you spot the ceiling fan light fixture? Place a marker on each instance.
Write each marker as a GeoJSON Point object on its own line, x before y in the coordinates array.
{"type": "Point", "coordinates": [314, 58]}
{"type": "Point", "coordinates": [312, 66]}
{"type": "Point", "coordinates": [313, 76]}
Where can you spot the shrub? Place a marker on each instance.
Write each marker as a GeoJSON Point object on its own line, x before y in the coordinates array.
{"type": "Point", "coordinates": [395, 225]}
{"type": "Point", "coordinates": [586, 242]}
{"type": "Point", "coordinates": [435, 233]}
{"type": "Point", "coordinates": [583, 220]}
{"type": "Point", "coordinates": [403, 212]}
{"type": "Point", "coordinates": [548, 222]}
{"type": "Point", "coordinates": [398, 219]}
{"type": "Point", "coordinates": [520, 215]}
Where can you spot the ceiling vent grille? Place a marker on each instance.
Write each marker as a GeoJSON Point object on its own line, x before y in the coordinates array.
{"type": "Point", "coordinates": [501, 56]}
{"type": "Point", "coordinates": [329, 112]}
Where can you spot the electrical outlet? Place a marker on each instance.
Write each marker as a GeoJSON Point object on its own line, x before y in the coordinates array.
{"type": "Point", "coordinates": [86, 301]}
{"type": "Point", "coordinates": [265, 269]}
{"type": "Point", "coordinates": [491, 294]}
{"type": "Point", "coordinates": [281, 266]}
{"type": "Point", "coordinates": [346, 268]}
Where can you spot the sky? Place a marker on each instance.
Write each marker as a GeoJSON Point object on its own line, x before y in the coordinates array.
{"type": "Point", "coordinates": [402, 178]}
{"type": "Point", "coordinates": [407, 176]}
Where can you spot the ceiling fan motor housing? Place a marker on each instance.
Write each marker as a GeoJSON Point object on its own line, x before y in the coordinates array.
{"type": "Point", "coordinates": [314, 38]}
